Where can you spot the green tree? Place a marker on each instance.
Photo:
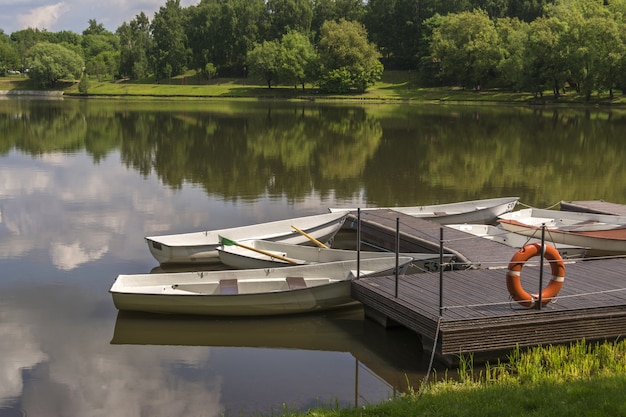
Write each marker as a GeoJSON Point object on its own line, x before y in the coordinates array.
{"type": "Point", "coordinates": [545, 56]}
{"type": "Point", "coordinates": [348, 60]}
{"type": "Point", "coordinates": [170, 41]}
{"type": "Point", "coordinates": [286, 15]}
{"type": "Point", "coordinates": [223, 31]}
{"type": "Point", "coordinates": [49, 63]}
{"type": "Point", "coordinates": [101, 53]}
{"type": "Point", "coordinates": [104, 64]}
{"type": "Point", "coordinates": [298, 59]}
{"type": "Point", "coordinates": [94, 28]}
{"type": "Point", "coordinates": [135, 44]}
{"type": "Point", "coordinates": [595, 42]}
{"type": "Point", "coordinates": [83, 85]}
{"type": "Point", "coordinates": [264, 61]}
{"type": "Point", "coordinates": [323, 10]}
{"type": "Point", "coordinates": [24, 40]}
{"type": "Point", "coordinates": [513, 34]}
{"type": "Point", "coordinates": [199, 26]}
{"type": "Point", "coordinates": [467, 47]}
{"type": "Point", "coordinates": [9, 58]}
{"type": "Point", "coordinates": [395, 26]}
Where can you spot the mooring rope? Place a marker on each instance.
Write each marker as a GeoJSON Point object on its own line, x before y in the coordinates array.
{"type": "Point", "coordinates": [432, 358]}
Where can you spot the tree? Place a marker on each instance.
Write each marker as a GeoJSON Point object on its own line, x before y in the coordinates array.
{"type": "Point", "coordinates": [49, 63]}
{"type": "Point", "coordinates": [298, 59]}
{"type": "Point", "coordinates": [396, 26]}
{"type": "Point", "coordinates": [199, 23]}
{"type": "Point", "coordinates": [323, 10]}
{"type": "Point", "coordinates": [595, 44]}
{"type": "Point", "coordinates": [264, 61]}
{"type": "Point", "coordinates": [94, 28]}
{"type": "Point", "coordinates": [545, 58]}
{"type": "Point", "coordinates": [467, 47]}
{"type": "Point", "coordinates": [9, 58]}
{"type": "Point", "coordinates": [170, 41]}
{"type": "Point", "coordinates": [101, 53]}
{"type": "Point", "coordinates": [135, 44]}
{"type": "Point", "coordinates": [222, 32]}
{"type": "Point", "coordinates": [25, 39]}
{"type": "Point", "coordinates": [348, 61]}
{"type": "Point", "coordinates": [286, 15]}
{"type": "Point", "coordinates": [513, 34]}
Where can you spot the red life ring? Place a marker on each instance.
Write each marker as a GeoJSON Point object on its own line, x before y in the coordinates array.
{"type": "Point", "coordinates": [515, 268]}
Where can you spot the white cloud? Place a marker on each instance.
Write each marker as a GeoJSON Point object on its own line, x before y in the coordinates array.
{"type": "Point", "coordinates": [74, 15]}
{"type": "Point", "coordinates": [43, 17]}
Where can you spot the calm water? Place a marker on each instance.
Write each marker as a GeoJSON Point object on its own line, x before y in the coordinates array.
{"type": "Point", "coordinates": [82, 182]}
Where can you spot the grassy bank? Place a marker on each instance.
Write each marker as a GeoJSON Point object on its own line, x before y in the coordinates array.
{"type": "Point", "coordinates": [577, 380]}
{"type": "Point", "coordinates": [394, 86]}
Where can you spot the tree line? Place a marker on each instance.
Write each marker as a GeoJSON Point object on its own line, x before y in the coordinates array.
{"type": "Point", "coordinates": [343, 45]}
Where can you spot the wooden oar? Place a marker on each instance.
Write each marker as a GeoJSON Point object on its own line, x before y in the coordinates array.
{"type": "Point", "coordinates": [228, 242]}
{"type": "Point", "coordinates": [311, 238]}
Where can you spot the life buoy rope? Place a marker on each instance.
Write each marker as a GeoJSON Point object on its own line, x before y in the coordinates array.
{"type": "Point", "coordinates": [518, 260]}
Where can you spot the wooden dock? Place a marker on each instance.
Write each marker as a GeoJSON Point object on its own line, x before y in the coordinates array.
{"type": "Point", "coordinates": [594, 206]}
{"type": "Point", "coordinates": [379, 227]}
{"type": "Point", "coordinates": [478, 314]}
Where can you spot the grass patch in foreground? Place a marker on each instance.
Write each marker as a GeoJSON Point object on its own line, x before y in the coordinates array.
{"type": "Point", "coordinates": [577, 380]}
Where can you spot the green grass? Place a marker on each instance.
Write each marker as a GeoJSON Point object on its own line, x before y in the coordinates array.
{"type": "Point", "coordinates": [576, 380]}
{"type": "Point", "coordinates": [395, 86]}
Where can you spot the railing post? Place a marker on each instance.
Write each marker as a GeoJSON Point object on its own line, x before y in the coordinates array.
{"type": "Point", "coordinates": [358, 243]}
{"type": "Point", "coordinates": [397, 252]}
{"type": "Point", "coordinates": [441, 271]}
{"type": "Point", "coordinates": [543, 245]}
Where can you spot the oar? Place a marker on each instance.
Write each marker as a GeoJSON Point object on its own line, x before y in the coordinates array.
{"type": "Point", "coordinates": [228, 242]}
{"type": "Point", "coordinates": [311, 238]}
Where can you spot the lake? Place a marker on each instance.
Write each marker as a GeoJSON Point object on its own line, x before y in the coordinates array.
{"type": "Point", "coordinates": [83, 181]}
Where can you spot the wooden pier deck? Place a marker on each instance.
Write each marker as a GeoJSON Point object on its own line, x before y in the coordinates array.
{"type": "Point", "coordinates": [478, 315]}
{"type": "Point", "coordinates": [378, 228]}
{"type": "Point", "coordinates": [595, 206]}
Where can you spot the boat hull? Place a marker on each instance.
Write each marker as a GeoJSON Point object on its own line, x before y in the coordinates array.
{"type": "Point", "coordinates": [332, 295]}
{"type": "Point", "coordinates": [198, 247]}
{"type": "Point", "coordinates": [602, 234]}
{"type": "Point", "coordinates": [477, 211]}
{"type": "Point", "coordinates": [516, 240]}
{"type": "Point", "coordinates": [265, 254]}
{"type": "Point", "coordinates": [252, 292]}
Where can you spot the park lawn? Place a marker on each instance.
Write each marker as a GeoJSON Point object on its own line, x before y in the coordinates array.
{"type": "Point", "coordinates": [395, 86]}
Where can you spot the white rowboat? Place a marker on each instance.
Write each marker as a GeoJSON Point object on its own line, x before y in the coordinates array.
{"type": "Point", "coordinates": [265, 254]}
{"type": "Point", "coordinates": [603, 234]}
{"type": "Point", "coordinates": [476, 211]}
{"type": "Point", "coordinates": [247, 292]}
{"type": "Point", "coordinates": [197, 247]}
{"type": "Point", "coordinates": [515, 240]}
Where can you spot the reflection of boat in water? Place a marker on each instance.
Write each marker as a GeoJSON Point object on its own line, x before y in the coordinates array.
{"type": "Point", "coordinates": [395, 355]}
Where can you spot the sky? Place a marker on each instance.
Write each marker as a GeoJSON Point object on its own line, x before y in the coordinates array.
{"type": "Point", "coordinates": [74, 15]}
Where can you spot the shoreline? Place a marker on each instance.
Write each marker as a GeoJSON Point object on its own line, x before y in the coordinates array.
{"type": "Point", "coordinates": [395, 90]}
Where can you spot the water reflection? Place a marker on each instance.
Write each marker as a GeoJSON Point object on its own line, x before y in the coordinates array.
{"type": "Point", "coordinates": [83, 181]}
{"type": "Point", "coordinates": [391, 154]}
{"type": "Point", "coordinates": [383, 362]}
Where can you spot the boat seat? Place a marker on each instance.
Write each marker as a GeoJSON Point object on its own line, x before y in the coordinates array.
{"type": "Point", "coordinates": [228, 286]}
{"type": "Point", "coordinates": [296, 283]}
